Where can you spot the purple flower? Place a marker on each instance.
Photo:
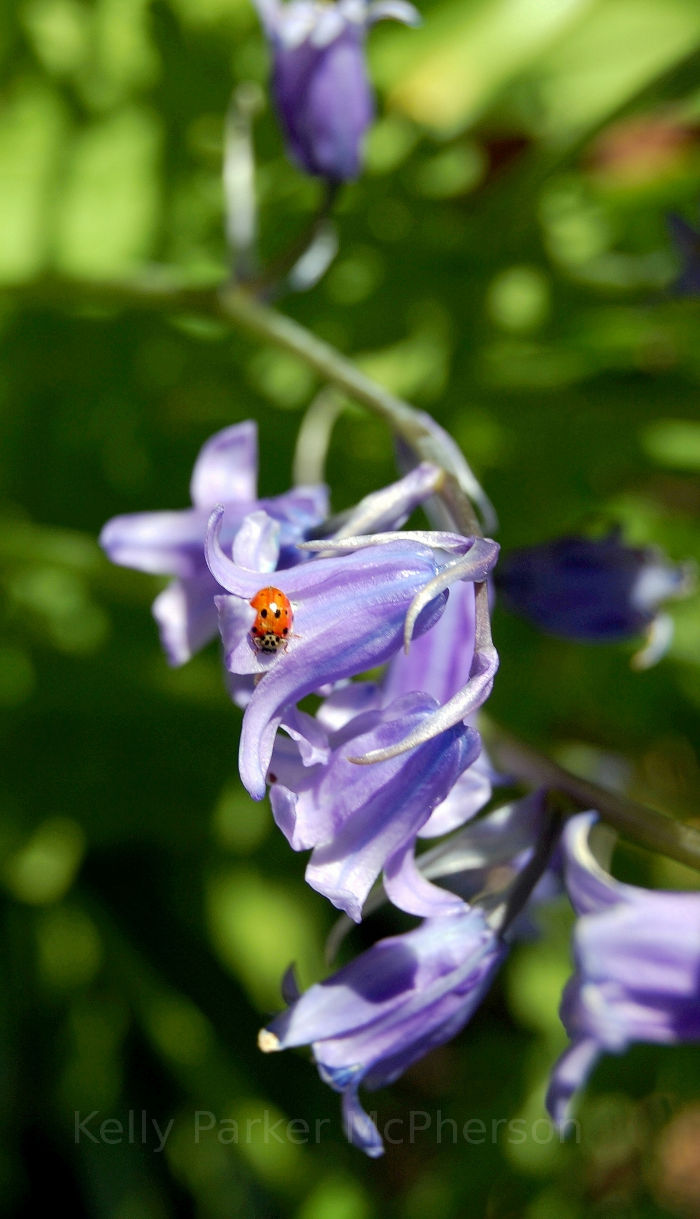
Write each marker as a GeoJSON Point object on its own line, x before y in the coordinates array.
{"type": "Point", "coordinates": [352, 611]}
{"type": "Point", "coordinates": [361, 819]}
{"type": "Point", "coordinates": [637, 956]}
{"type": "Point", "coordinates": [172, 543]}
{"type": "Point", "coordinates": [686, 240]}
{"type": "Point", "coordinates": [591, 589]}
{"type": "Point", "coordinates": [319, 78]}
{"type": "Point", "coordinates": [439, 664]}
{"type": "Point", "coordinates": [389, 1007]}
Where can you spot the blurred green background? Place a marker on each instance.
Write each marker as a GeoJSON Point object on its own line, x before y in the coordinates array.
{"type": "Point", "coordinates": [504, 264]}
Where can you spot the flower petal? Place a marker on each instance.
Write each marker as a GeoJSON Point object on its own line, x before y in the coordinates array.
{"type": "Point", "coordinates": [468, 796]}
{"type": "Point", "coordinates": [257, 543]}
{"type": "Point", "coordinates": [186, 615]}
{"type": "Point", "coordinates": [365, 816]}
{"type": "Point", "coordinates": [226, 470]}
{"type": "Point", "coordinates": [407, 888]}
{"type": "Point", "coordinates": [389, 508]}
{"type": "Point", "coordinates": [359, 1128]}
{"type": "Point", "coordinates": [570, 1073]}
{"type": "Point", "coordinates": [466, 701]}
{"type": "Point", "coordinates": [439, 661]}
{"type": "Point", "coordinates": [164, 543]}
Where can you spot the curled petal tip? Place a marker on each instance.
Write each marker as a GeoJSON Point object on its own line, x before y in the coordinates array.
{"type": "Point", "coordinates": [268, 1042]}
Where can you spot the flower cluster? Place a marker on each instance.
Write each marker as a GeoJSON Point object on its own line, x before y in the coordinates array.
{"type": "Point", "coordinates": [389, 630]}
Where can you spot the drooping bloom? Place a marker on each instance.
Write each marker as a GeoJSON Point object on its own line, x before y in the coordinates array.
{"type": "Point", "coordinates": [352, 611]}
{"type": "Point", "coordinates": [319, 78]}
{"type": "Point", "coordinates": [686, 240]}
{"type": "Point", "coordinates": [361, 819]}
{"type": "Point", "coordinates": [172, 543]}
{"type": "Point", "coordinates": [637, 957]}
{"type": "Point", "coordinates": [389, 1007]}
{"type": "Point", "coordinates": [591, 589]}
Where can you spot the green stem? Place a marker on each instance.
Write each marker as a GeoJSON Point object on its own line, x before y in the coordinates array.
{"type": "Point", "coordinates": [236, 305]}
{"type": "Point", "coordinates": [642, 825]}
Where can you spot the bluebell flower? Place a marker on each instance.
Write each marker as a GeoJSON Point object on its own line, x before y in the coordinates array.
{"type": "Point", "coordinates": [389, 1007]}
{"type": "Point", "coordinates": [637, 957]}
{"type": "Point", "coordinates": [686, 240]}
{"type": "Point", "coordinates": [593, 589]}
{"type": "Point", "coordinates": [319, 78]}
{"type": "Point", "coordinates": [172, 543]}
{"type": "Point", "coordinates": [352, 611]}
{"type": "Point", "coordinates": [360, 820]}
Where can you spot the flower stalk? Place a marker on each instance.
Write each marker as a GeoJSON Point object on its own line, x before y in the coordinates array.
{"type": "Point", "coordinates": [642, 825]}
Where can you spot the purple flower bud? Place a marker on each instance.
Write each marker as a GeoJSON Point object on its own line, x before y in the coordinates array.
{"type": "Point", "coordinates": [686, 240]}
{"type": "Point", "coordinates": [389, 1007]}
{"type": "Point", "coordinates": [319, 78]}
{"type": "Point", "coordinates": [172, 543]}
{"type": "Point", "coordinates": [637, 955]}
{"type": "Point", "coordinates": [589, 589]}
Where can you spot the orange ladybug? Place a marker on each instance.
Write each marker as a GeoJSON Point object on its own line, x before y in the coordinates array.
{"type": "Point", "coordinates": [273, 621]}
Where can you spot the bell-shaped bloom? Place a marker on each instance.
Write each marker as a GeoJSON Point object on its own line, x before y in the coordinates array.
{"type": "Point", "coordinates": [591, 589]}
{"type": "Point", "coordinates": [407, 994]}
{"type": "Point", "coordinates": [637, 957]}
{"type": "Point", "coordinates": [361, 819]}
{"type": "Point", "coordinates": [172, 543]}
{"type": "Point", "coordinates": [686, 240]}
{"type": "Point", "coordinates": [319, 78]}
{"type": "Point", "coordinates": [352, 611]}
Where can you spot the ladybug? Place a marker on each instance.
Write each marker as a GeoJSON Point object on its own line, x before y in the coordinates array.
{"type": "Point", "coordinates": [273, 621]}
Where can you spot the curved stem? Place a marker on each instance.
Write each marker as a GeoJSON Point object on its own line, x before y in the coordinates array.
{"type": "Point", "coordinates": [533, 870]}
{"type": "Point", "coordinates": [642, 825]}
{"type": "Point", "coordinates": [235, 304]}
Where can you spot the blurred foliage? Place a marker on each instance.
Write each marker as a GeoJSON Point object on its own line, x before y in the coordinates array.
{"type": "Point", "coordinates": [505, 264]}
